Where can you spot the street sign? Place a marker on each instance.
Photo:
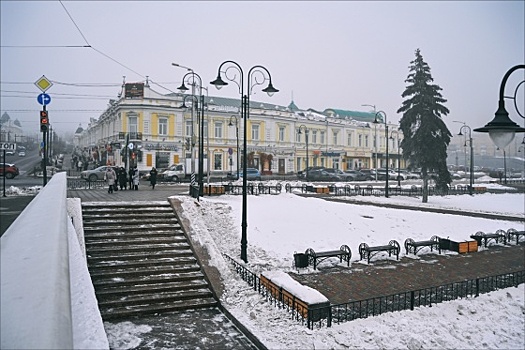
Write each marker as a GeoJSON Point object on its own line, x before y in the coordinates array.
{"type": "Point", "coordinates": [230, 151]}
{"type": "Point", "coordinates": [7, 146]}
{"type": "Point", "coordinates": [43, 84]}
{"type": "Point", "coordinates": [44, 99]}
{"type": "Point", "coordinates": [130, 146]}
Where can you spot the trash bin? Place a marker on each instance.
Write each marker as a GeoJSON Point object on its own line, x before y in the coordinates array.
{"type": "Point", "coordinates": [301, 260]}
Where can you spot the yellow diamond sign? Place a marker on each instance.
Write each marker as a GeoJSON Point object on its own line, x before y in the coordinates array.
{"type": "Point", "coordinates": [43, 83]}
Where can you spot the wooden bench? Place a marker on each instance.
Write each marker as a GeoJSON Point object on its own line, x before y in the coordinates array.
{"type": "Point", "coordinates": [512, 232]}
{"type": "Point", "coordinates": [368, 252]}
{"type": "Point", "coordinates": [486, 237]}
{"type": "Point", "coordinates": [314, 258]}
{"type": "Point", "coordinates": [415, 246]}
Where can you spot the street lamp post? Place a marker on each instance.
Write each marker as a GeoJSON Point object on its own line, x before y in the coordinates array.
{"type": "Point", "coordinates": [377, 121]}
{"type": "Point", "coordinates": [195, 79]}
{"type": "Point", "coordinates": [501, 129]}
{"type": "Point", "coordinates": [398, 159]}
{"type": "Point", "coordinates": [306, 139]}
{"type": "Point", "coordinates": [259, 74]}
{"type": "Point", "coordinates": [234, 117]}
{"type": "Point", "coordinates": [465, 126]}
{"type": "Point", "coordinates": [375, 136]}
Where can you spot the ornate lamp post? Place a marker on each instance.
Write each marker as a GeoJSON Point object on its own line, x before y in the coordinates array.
{"type": "Point", "coordinates": [257, 75]}
{"type": "Point", "coordinates": [378, 121]}
{"type": "Point", "coordinates": [306, 139]}
{"type": "Point", "coordinates": [234, 117]}
{"type": "Point", "coordinates": [501, 129]}
{"type": "Point", "coordinates": [194, 80]}
{"type": "Point", "coordinates": [465, 126]}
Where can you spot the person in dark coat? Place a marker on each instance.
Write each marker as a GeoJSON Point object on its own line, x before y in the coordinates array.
{"type": "Point", "coordinates": [130, 178]}
{"type": "Point", "coordinates": [153, 177]}
{"type": "Point", "coordinates": [122, 178]}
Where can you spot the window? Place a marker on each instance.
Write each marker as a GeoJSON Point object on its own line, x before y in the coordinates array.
{"type": "Point", "coordinates": [349, 139]}
{"type": "Point", "coordinates": [334, 137]}
{"type": "Point", "coordinates": [133, 123]}
{"type": "Point", "coordinates": [163, 126]}
{"type": "Point", "coordinates": [282, 130]}
{"type": "Point", "coordinates": [218, 130]}
{"type": "Point", "coordinates": [298, 136]}
{"type": "Point", "coordinates": [217, 161]}
{"type": "Point", "coordinates": [314, 136]}
{"type": "Point", "coordinates": [206, 129]}
{"type": "Point", "coordinates": [322, 138]}
{"type": "Point", "coordinates": [360, 141]}
{"type": "Point", "coordinates": [366, 140]}
{"type": "Point", "coordinates": [255, 132]}
{"type": "Point", "coordinates": [189, 128]}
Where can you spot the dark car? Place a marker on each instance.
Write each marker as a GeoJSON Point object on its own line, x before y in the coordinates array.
{"type": "Point", "coordinates": [356, 175]}
{"type": "Point", "coordinates": [251, 174]}
{"type": "Point", "coordinates": [302, 174]}
{"type": "Point", "coordinates": [9, 170]}
{"type": "Point", "coordinates": [322, 175]}
{"type": "Point", "coordinates": [339, 173]}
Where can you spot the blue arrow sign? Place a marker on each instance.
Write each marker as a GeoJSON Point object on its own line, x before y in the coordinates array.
{"type": "Point", "coordinates": [44, 99]}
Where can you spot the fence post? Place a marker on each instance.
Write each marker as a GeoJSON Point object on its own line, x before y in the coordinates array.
{"type": "Point", "coordinates": [412, 300]}
{"type": "Point", "coordinates": [477, 287]}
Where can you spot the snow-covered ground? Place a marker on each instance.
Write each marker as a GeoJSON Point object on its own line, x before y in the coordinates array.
{"type": "Point", "coordinates": [279, 225]}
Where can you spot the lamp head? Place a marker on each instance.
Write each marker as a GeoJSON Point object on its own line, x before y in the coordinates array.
{"type": "Point", "coordinates": [219, 83]}
{"type": "Point", "coordinates": [501, 129]}
{"type": "Point", "coordinates": [182, 88]}
{"type": "Point", "coordinates": [270, 90]}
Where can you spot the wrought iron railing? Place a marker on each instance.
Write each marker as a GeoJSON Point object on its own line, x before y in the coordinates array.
{"type": "Point", "coordinates": [338, 313]}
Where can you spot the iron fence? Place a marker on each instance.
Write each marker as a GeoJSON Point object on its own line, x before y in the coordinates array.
{"type": "Point", "coordinates": [339, 313]}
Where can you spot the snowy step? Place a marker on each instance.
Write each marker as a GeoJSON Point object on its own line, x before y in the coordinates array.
{"type": "Point", "coordinates": [119, 272]}
{"type": "Point", "coordinates": [152, 279]}
{"type": "Point", "coordinates": [126, 221]}
{"type": "Point", "coordinates": [122, 240]}
{"type": "Point", "coordinates": [134, 228]}
{"type": "Point", "coordinates": [103, 292]}
{"type": "Point", "coordinates": [112, 264]}
{"type": "Point", "coordinates": [137, 255]}
{"type": "Point", "coordinates": [137, 310]}
{"type": "Point", "coordinates": [151, 298]}
{"type": "Point", "coordinates": [135, 247]}
{"type": "Point", "coordinates": [164, 232]}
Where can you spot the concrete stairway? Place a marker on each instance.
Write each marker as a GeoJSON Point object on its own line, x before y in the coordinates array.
{"type": "Point", "coordinates": [140, 261]}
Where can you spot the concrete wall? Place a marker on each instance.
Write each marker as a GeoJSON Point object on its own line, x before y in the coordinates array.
{"type": "Point", "coordinates": [35, 298]}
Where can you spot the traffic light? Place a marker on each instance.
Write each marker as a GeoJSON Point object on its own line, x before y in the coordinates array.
{"type": "Point", "coordinates": [44, 121]}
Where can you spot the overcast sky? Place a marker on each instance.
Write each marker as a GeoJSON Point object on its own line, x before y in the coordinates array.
{"type": "Point", "coordinates": [325, 54]}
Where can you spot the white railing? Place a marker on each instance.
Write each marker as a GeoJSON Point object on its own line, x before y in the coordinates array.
{"type": "Point", "coordinates": [36, 305]}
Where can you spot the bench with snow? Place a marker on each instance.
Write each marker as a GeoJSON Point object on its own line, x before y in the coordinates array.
{"type": "Point", "coordinates": [368, 252]}
{"type": "Point", "coordinates": [415, 246]}
{"type": "Point", "coordinates": [512, 232]}
{"type": "Point", "coordinates": [314, 258]}
{"type": "Point", "coordinates": [486, 237]}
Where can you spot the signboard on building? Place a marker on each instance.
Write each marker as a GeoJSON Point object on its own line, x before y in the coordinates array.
{"type": "Point", "coordinates": [134, 90]}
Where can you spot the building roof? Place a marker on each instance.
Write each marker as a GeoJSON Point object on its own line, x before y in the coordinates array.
{"type": "Point", "coordinates": [344, 114]}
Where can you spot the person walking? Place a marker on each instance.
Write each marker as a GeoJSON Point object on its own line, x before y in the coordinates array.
{"type": "Point", "coordinates": [153, 177]}
{"type": "Point", "coordinates": [122, 178]}
{"type": "Point", "coordinates": [136, 179]}
{"type": "Point", "coordinates": [111, 176]}
{"type": "Point", "coordinates": [130, 177]}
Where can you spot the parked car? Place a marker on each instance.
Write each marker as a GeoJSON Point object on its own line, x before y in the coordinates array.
{"type": "Point", "coordinates": [251, 174]}
{"type": "Point", "coordinates": [302, 174]}
{"type": "Point", "coordinates": [322, 175]}
{"type": "Point", "coordinates": [392, 175]}
{"type": "Point", "coordinates": [339, 173]}
{"type": "Point", "coordinates": [9, 152]}
{"type": "Point", "coordinates": [356, 175]}
{"type": "Point", "coordinates": [96, 174]}
{"type": "Point", "coordinates": [9, 170]}
{"type": "Point", "coordinates": [21, 153]}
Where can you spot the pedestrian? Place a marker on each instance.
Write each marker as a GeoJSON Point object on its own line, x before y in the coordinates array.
{"type": "Point", "coordinates": [110, 178]}
{"type": "Point", "coordinates": [136, 179]}
{"type": "Point", "coordinates": [130, 177]}
{"type": "Point", "coordinates": [153, 177]}
{"type": "Point", "coordinates": [122, 178]}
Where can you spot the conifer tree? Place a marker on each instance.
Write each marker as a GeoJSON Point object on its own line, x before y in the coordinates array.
{"type": "Point", "coordinates": [425, 135]}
